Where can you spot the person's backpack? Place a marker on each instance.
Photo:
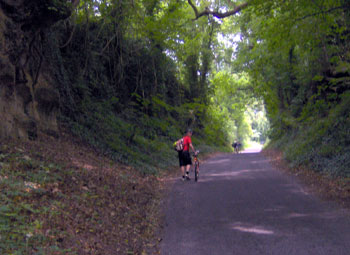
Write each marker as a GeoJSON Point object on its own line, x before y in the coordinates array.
{"type": "Point", "coordinates": [179, 145]}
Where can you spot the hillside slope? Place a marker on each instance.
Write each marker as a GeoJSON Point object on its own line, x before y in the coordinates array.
{"type": "Point", "coordinates": [59, 196]}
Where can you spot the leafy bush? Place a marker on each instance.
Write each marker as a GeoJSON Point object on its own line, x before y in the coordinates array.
{"type": "Point", "coordinates": [323, 144]}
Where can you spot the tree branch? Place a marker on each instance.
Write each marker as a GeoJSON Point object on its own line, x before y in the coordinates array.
{"type": "Point", "coordinates": [322, 12]}
{"type": "Point", "coordinates": [219, 15]}
{"type": "Point", "coordinates": [70, 37]}
{"type": "Point", "coordinates": [108, 43]}
{"type": "Point", "coordinates": [194, 8]}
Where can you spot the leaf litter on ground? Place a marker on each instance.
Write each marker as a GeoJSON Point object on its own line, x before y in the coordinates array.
{"type": "Point", "coordinates": [74, 200]}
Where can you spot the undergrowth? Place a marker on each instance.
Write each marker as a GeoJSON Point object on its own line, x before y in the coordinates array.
{"type": "Point", "coordinates": [322, 143]}
{"type": "Point", "coordinates": [139, 140]}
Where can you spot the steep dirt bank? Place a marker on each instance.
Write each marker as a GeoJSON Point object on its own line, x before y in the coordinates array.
{"type": "Point", "coordinates": [336, 189]}
{"type": "Point", "coordinates": [79, 202]}
{"type": "Point", "coordinates": [29, 98]}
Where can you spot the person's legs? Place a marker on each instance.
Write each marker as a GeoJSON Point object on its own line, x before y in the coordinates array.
{"type": "Point", "coordinates": [183, 171]}
{"type": "Point", "coordinates": [182, 165]}
{"type": "Point", "coordinates": [186, 163]}
{"type": "Point", "coordinates": [188, 167]}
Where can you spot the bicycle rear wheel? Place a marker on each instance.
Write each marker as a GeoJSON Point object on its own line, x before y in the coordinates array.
{"type": "Point", "coordinates": [196, 174]}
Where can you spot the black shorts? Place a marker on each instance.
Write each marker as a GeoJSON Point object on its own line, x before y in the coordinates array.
{"type": "Point", "coordinates": [185, 158]}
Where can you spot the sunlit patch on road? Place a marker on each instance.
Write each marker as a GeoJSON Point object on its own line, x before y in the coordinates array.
{"type": "Point", "coordinates": [218, 161]}
{"type": "Point", "coordinates": [296, 215]}
{"type": "Point", "coordinates": [296, 189]}
{"type": "Point", "coordinates": [252, 229]}
{"type": "Point", "coordinates": [276, 209]}
{"type": "Point", "coordinates": [233, 173]}
{"type": "Point", "coordinates": [259, 161]}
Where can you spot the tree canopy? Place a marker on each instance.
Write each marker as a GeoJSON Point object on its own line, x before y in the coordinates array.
{"type": "Point", "coordinates": [212, 65]}
{"type": "Point", "coordinates": [130, 71]}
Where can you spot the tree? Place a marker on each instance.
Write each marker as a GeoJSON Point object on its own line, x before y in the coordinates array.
{"type": "Point", "coordinates": [216, 13]}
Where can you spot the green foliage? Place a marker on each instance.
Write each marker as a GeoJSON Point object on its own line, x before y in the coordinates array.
{"type": "Point", "coordinates": [133, 90]}
{"type": "Point", "coordinates": [232, 110]}
{"type": "Point", "coordinates": [321, 143]}
{"type": "Point", "coordinates": [259, 123]}
{"type": "Point", "coordinates": [138, 139]}
{"type": "Point", "coordinates": [134, 75]}
{"type": "Point", "coordinates": [297, 56]}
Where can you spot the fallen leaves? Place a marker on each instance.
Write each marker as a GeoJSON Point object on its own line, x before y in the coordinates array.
{"type": "Point", "coordinates": [86, 203]}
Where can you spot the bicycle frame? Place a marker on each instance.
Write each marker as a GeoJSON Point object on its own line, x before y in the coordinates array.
{"type": "Point", "coordinates": [196, 167]}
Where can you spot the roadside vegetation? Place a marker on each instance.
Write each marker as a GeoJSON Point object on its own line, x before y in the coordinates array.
{"type": "Point", "coordinates": [134, 76]}
{"type": "Point", "coordinates": [297, 56]}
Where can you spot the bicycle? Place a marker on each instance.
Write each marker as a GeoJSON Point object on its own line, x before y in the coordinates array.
{"type": "Point", "coordinates": [196, 166]}
{"type": "Point", "coordinates": [239, 147]}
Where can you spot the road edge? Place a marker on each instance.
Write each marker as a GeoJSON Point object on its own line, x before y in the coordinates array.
{"type": "Point", "coordinates": [324, 186]}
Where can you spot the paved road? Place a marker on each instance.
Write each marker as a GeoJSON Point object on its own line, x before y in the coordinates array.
{"type": "Point", "coordinates": [242, 205]}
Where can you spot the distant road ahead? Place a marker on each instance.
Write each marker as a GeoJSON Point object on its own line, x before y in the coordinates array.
{"type": "Point", "coordinates": [243, 206]}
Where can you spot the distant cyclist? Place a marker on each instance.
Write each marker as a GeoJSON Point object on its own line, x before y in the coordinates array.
{"type": "Point", "coordinates": [235, 146]}
{"type": "Point", "coordinates": [239, 147]}
{"type": "Point", "coordinates": [184, 155]}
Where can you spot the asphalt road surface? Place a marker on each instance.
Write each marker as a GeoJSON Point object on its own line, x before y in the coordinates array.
{"type": "Point", "coordinates": [243, 205]}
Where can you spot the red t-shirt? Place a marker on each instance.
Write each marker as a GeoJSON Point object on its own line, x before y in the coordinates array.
{"type": "Point", "coordinates": [187, 141]}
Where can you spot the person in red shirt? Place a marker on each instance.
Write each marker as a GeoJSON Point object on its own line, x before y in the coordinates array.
{"type": "Point", "coordinates": [184, 155]}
